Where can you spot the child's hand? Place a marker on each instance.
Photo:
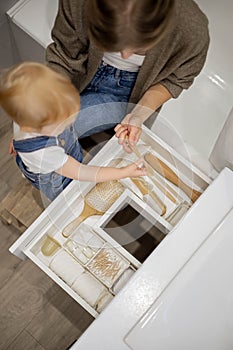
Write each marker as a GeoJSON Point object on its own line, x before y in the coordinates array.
{"type": "Point", "coordinates": [135, 169]}
{"type": "Point", "coordinates": [11, 149]}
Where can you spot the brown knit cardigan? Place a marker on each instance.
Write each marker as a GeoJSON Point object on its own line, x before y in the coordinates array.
{"type": "Point", "coordinates": [174, 62]}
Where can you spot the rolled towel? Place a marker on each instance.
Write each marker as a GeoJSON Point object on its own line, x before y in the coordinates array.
{"type": "Point", "coordinates": [89, 288]}
{"type": "Point", "coordinates": [122, 280]}
{"type": "Point", "coordinates": [66, 267]}
{"type": "Point", "coordinates": [104, 301]}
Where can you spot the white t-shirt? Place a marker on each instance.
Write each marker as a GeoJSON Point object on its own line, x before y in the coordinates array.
{"type": "Point", "coordinates": [131, 64]}
{"type": "Point", "coordinates": [41, 161]}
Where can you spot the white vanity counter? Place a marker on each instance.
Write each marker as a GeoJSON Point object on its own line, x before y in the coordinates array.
{"type": "Point", "coordinates": [181, 297]}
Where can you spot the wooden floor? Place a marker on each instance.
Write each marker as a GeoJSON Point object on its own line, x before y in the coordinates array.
{"type": "Point", "coordinates": [35, 313]}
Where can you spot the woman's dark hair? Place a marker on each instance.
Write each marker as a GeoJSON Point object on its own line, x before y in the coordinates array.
{"type": "Point", "coordinates": [115, 25]}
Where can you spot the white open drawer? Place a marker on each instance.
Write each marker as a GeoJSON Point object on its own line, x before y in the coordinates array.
{"type": "Point", "coordinates": [111, 251]}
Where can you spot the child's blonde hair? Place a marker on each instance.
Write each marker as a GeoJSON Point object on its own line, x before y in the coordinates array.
{"type": "Point", "coordinates": [34, 95]}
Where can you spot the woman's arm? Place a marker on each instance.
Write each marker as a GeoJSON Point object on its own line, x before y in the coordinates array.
{"type": "Point", "coordinates": [179, 65]}
{"type": "Point", "coordinates": [131, 125]}
{"type": "Point", "coordinates": [78, 171]}
{"type": "Point", "coordinates": [67, 53]}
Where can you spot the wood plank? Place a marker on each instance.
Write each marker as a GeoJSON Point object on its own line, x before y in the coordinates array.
{"type": "Point", "coordinates": [8, 262]}
{"type": "Point", "coordinates": [35, 313]}
{"type": "Point", "coordinates": [60, 323]}
{"type": "Point", "coordinates": [9, 219]}
{"type": "Point", "coordinates": [26, 292]}
{"type": "Point", "coordinates": [26, 209]}
{"type": "Point", "coordinates": [10, 176]}
{"type": "Point", "coordinates": [24, 341]}
{"type": "Point", "coordinates": [31, 300]}
{"type": "Point", "coordinates": [9, 172]}
{"type": "Point", "coordinates": [21, 204]}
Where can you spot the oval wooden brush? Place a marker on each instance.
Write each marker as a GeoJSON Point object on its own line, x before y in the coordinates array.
{"type": "Point", "coordinates": [144, 188]}
{"type": "Point", "coordinates": [97, 202]}
{"type": "Point", "coordinates": [170, 175]}
{"type": "Point", "coordinates": [150, 173]}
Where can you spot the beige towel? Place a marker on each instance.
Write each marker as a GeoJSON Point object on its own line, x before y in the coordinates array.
{"type": "Point", "coordinates": [124, 278]}
{"type": "Point", "coordinates": [104, 301]}
{"type": "Point", "coordinates": [66, 267]}
{"type": "Point", "coordinates": [89, 288]}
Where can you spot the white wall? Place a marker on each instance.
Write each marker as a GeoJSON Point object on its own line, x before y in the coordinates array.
{"type": "Point", "coordinates": [31, 23]}
{"type": "Point", "coordinates": [198, 115]}
{"type": "Point", "coordinates": [8, 55]}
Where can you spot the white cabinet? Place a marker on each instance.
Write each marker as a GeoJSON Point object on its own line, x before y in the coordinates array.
{"type": "Point", "coordinates": [181, 297]}
{"type": "Point", "coordinates": [94, 255]}
{"type": "Point", "coordinates": [195, 311]}
{"type": "Point", "coordinates": [31, 23]}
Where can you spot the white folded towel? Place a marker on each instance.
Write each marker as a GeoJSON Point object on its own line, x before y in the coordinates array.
{"type": "Point", "coordinates": [66, 267]}
{"type": "Point", "coordinates": [104, 301]}
{"type": "Point", "coordinates": [122, 280]}
{"type": "Point", "coordinates": [89, 288]}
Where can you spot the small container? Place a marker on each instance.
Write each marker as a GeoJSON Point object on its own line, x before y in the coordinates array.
{"type": "Point", "coordinates": [95, 243]}
{"type": "Point", "coordinates": [107, 265]}
{"type": "Point", "coordinates": [50, 245]}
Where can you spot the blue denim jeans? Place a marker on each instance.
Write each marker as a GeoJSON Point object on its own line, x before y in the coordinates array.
{"type": "Point", "coordinates": [51, 184]}
{"type": "Point", "coordinates": [104, 101]}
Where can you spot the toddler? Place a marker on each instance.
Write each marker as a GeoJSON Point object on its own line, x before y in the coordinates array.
{"type": "Point", "coordinates": [44, 104]}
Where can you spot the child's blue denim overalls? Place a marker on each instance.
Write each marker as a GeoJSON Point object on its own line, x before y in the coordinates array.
{"type": "Point", "coordinates": [51, 184]}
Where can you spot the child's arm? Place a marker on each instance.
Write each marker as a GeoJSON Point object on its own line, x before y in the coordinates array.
{"type": "Point", "coordinates": [78, 171]}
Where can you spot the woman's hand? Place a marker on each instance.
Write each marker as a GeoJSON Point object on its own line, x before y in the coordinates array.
{"type": "Point", "coordinates": [131, 127]}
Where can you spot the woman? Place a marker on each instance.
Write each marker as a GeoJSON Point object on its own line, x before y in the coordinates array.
{"type": "Point", "coordinates": [127, 58]}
